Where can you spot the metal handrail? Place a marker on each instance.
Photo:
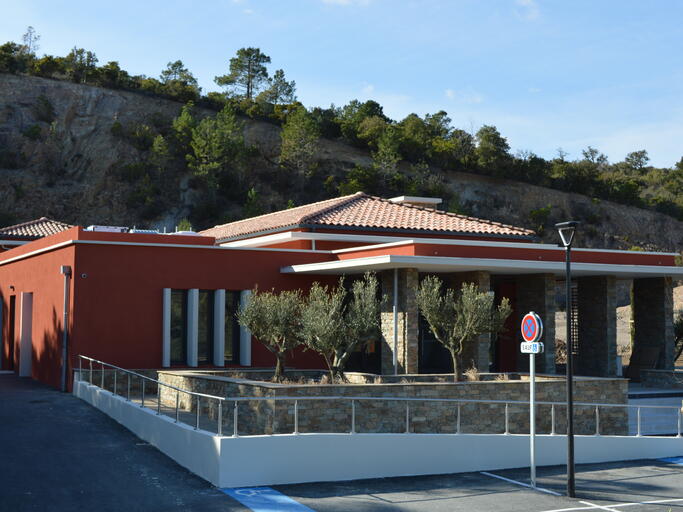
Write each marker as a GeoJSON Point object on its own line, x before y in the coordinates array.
{"type": "Point", "coordinates": [353, 399]}
{"type": "Point", "coordinates": [131, 372]}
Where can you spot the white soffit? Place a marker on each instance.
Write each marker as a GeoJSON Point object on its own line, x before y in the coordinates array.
{"type": "Point", "coordinates": [437, 264]}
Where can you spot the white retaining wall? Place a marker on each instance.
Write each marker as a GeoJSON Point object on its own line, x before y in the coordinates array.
{"type": "Point", "coordinates": [281, 459]}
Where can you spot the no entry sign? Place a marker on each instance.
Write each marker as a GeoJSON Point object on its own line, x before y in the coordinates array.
{"type": "Point", "coordinates": [532, 327]}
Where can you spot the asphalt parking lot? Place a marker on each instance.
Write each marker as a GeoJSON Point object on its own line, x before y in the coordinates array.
{"type": "Point", "coordinates": [59, 454]}
{"type": "Point", "coordinates": [636, 486]}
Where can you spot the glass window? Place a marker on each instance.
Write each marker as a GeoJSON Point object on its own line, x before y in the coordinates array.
{"type": "Point", "coordinates": [232, 327]}
{"type": "Point", "coordinates": [179, 327]}
{"type": "Point", "coordinates": [205, 327]}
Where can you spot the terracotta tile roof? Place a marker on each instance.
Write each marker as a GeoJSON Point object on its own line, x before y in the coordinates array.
{"type": "Point", "coordinates": [33, 229]}
{"type": "Point", "coordinates": [362, 210]}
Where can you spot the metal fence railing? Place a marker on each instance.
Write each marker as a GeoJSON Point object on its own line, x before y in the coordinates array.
{"type": "Point", "coordinates": [282, 414]}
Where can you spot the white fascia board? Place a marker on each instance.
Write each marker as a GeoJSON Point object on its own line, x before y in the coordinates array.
{"type": "Point", "coordinates": [496, 266]}
{"type": "Point", "coordinates": [291, 236]}
{"type": "Point", "coordinates": [390, 241]}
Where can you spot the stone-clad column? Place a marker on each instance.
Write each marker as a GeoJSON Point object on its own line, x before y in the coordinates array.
{"type": "Point", "coordinates": [536, 292]}
{"type": "Point", "coordinates": [479, 355]}
{"type": "Point", "coordinates": [407, 342]}
{"type": "Point", "coordinates": [597, 326]}
{"type": "Point", "coordinates": [653, 335]}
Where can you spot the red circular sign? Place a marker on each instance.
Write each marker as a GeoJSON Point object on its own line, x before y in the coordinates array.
{"type": "Point", "coordinates": [532, 327]}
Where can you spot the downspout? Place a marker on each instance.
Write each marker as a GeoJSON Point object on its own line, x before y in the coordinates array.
{"type": "Point", "coordinates": [395, 311]}
{"type": "Point", "coordinates": [66, 271]}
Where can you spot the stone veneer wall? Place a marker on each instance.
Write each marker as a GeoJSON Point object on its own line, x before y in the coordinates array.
{"type": "Point", "coordinates": [653, 335]}
{"type": "Point", "coordinates": [320, 415]}
{"type": "Point", "coordinates": [407, 324]}
{"type": "Point", "coordinates": [597, 326]}
{"type": "Point", "coordinates": [661, 379]}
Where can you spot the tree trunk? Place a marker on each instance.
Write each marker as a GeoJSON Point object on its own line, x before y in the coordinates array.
{"type": "Point", "coordinates": [457, 367]}
{"type": "Point", "coordinates": [330, 368]}
{"type": "Point", "coordinates": [279, 366]}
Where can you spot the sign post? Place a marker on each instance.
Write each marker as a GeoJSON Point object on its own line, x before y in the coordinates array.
{"type": "Point", "coordinates": [532, 330]}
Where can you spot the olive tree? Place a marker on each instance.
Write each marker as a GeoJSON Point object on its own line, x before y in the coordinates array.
{"type": "Point", "coordinates": [335, 322]}
{"type": "Point", "coordinates": [678, 335]}
{"type": "Point", "coordinates": [457, 321]}
{"type": "Point", "coordinates": [274, 318]}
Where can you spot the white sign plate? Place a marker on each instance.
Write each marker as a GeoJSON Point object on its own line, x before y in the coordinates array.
{"type": "Point", "coordinates": [532, 348]}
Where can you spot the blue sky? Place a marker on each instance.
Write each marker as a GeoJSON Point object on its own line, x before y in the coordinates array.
{"type": "Point", "coordinates": [547, 73]}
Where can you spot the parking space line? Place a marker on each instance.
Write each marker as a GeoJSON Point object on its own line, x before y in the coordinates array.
{"type": "Point", "coordinates": [520, 483]}
{"type": "Point", "coordinates": [616, 505]}
{"type": "Point", "coordinates": [265, 499]}
{"type": "Point", "coordinates": [599, 507]}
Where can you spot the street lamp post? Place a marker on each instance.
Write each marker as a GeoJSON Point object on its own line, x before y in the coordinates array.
{"type": "Point", "coordinates": [567, 231]}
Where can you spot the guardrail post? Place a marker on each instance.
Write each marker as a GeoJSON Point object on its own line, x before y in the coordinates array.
{"type": "Point", "coordinates": [638, 431]}
{"type": "Point", "coordinates": [457, 423]}
{"type": "Point", "coordinates": [102, 379]}
{"type": "Point", "coordinates": [296, 416]}
{"type": "Point", "coordinates": [220, 418]}
{"type": "Point", "coordinates": [552, 420]}
{"type": "Point", "coordinates": [177, 404]}
{"type": "Point", "coordinates": [142, 402]}
{"type": "Point", "coordinates": [158, 399]}
{"type": "Point", "coordinates": [80, 368]}
{"type": "Point", "coordinates": [115, 374]}
{"type": "Point", "coordinates": [353, 416]}
{"type": "Point", "coordinates": [597, 420]}
{"type": "Point", "coordinates": [407, 417]}
{"type": "Point", "coordinates": [507, 419]}
{"type": "Point", "coordinates": [90, 372]}
{"type": "Point", "coordinates": [197, 424]}
{"type": "Point", "coordinates": [128, 394]}
{"type": "Point", "coordinates": [234, 420]}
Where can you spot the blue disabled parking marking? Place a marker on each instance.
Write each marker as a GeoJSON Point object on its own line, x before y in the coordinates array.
{"type": "Point", "coordinates": [673, 460]}
{"type": "Point", "coordinates": [265, 499]}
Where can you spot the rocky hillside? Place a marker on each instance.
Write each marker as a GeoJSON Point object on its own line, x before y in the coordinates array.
{"type": "Point", "coordinates": [60, 157]}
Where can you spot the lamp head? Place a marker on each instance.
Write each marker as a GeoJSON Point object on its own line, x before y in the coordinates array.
{"type": "Point", "coordinates": [566, 231]}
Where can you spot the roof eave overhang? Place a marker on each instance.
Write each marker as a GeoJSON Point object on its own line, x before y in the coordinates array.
{"type": "Point", "coordinates": [466, 234]}
{"type": "Point", "coordinates": [436, 264]}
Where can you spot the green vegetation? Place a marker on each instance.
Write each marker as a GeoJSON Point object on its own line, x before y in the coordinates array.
{"type": "Point", "coordinates": [678, 334]}
{"type": "Point", "coordinates": [411, 155]}
{"type": "Point", "coordinates": [336, 322]}
{"type": "Point", "coordinates": [274, 319]}
{"type": "Point", "coordinates": [333, 321]}
{"type": "Point", "coordinates": [457, 322]}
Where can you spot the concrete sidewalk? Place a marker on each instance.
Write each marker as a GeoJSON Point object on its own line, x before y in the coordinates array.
{"type": "Point", "coordinates": [59, 454]}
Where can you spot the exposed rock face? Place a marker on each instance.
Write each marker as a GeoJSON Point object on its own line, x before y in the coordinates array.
{"type": "Point", "coordinates": [67, 170]}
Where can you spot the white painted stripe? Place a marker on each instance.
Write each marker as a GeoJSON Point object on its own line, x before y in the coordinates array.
{"type": "Point", "coordinates": [618, 505]}
{"type": "Point", "coordinates": [520, 483]}
{"type": "Point", "coordinates": [599, 507]}
{"type": "Point", "coordinates": [265, 499]}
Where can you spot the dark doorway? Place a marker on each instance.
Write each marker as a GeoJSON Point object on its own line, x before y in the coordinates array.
{"type": "Point", "coordinates": [10, 332]}
{"type": "Point", "coordinates": [506, 346]}
{"type": "Point", "coordinates": [366, 360]}
{"type": "Point", "coordinates": [434, 357]}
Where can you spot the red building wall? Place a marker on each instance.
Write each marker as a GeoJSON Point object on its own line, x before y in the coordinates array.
{"type": "Point", "coordinates": [116, 294]}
